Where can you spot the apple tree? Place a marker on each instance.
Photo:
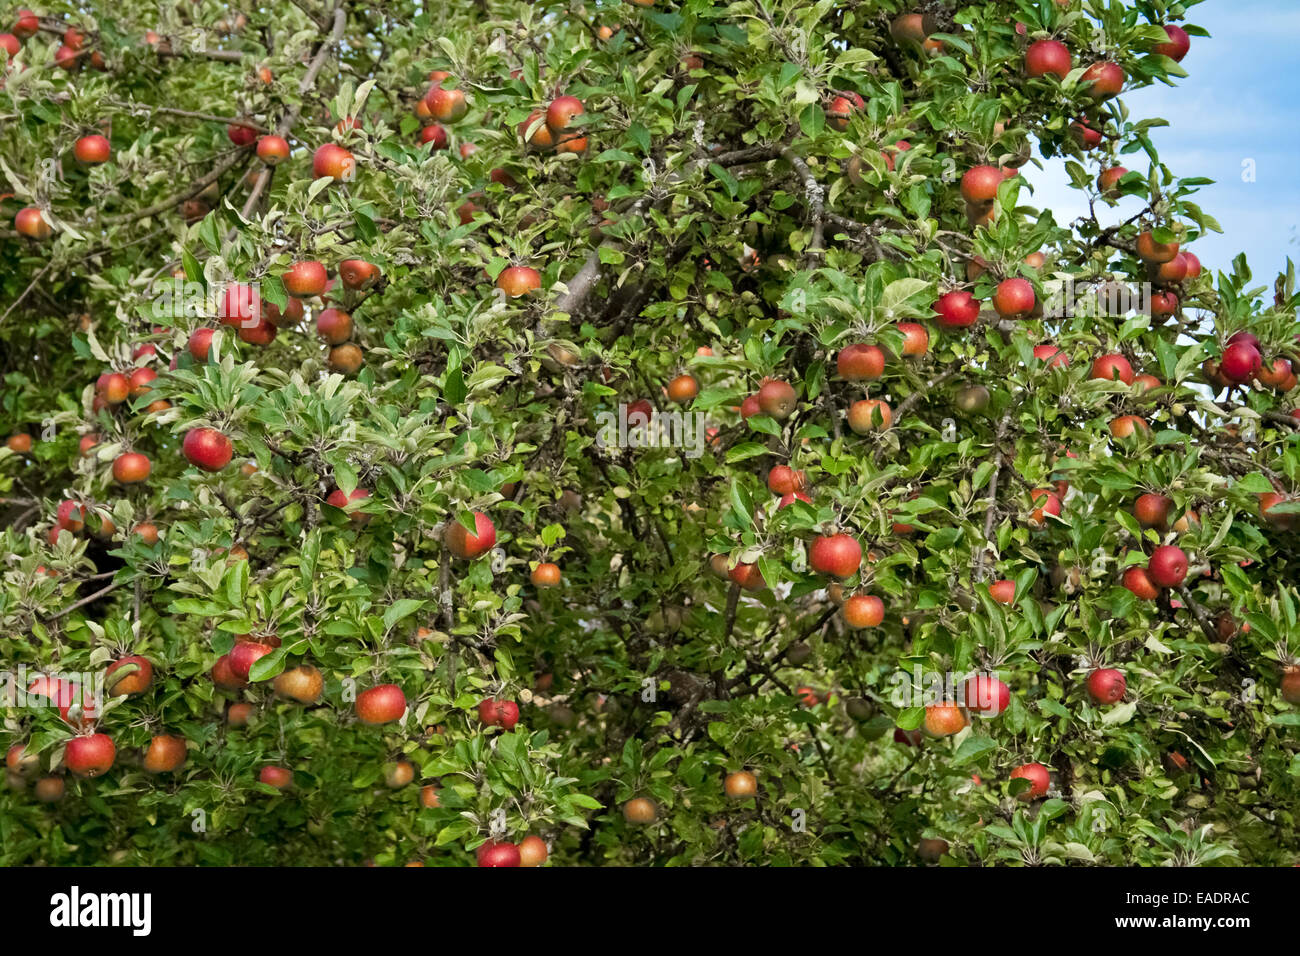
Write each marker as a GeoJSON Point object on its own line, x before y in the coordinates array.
{"type": "Point", "coordinates": [638, 433]}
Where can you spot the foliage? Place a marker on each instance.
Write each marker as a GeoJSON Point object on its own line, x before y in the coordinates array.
{"type": "Point", "coordinates": [719, 224]}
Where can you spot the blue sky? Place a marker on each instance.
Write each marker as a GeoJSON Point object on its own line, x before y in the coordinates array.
{"type": "Point", "coordinates": [1241, 101]}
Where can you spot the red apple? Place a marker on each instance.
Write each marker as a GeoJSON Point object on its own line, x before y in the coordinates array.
{"type": "Point", "coordinates": [1014, 298]}
{"type": "Point", "coordinates": [838, 555]}
{"type": "Point", "coordinates": [90, 755]}
{"type": "Point", "coordinates": [92, 150]}
{"type": "Point", "coordinates": [380, 705]}
{"type": "Point", "coordinates": [469, 545]}
{"type": "Point", "coordinates": [1106, 686]}
{"type": "Point", "coordinates": [498, 854]}
{"type": "Point", "coordinates": [1111, 367]}
{"type": "Point", "coordinates": [1177, 45]}
{"type": "Point", "coordinates": [860, 363]}
{"type": "Point", "coordinates": [1048, 56]}
{"type": "Point", "coordinates": [207, 448]}
{"type": "Point", "coordinates": [1167, 567]}
{"type": "Point", "coordinates": [305, 278]}
{"type": "Point", "coordinates": [957, 309]}
{"type": "Point", "coordinates": [1038, 777]}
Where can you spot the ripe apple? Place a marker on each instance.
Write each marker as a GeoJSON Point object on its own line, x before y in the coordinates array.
{"type": "Point", "coordinates": [1240, 361]}
{"type": "Point", "coordinates": [1014, 298]}
{"type": "Point", "coordinates": [944, 720]}
{"type": "Point", "coordinates": [916, 338]}
{"type": "Point", "coordinates": [140, 381]}
{"type": "Point", "coordinates": [1052, 355]}
{"type": "Point", "coordinates": [1048, 56]}
{"type": "Point", "coordinates": [777, 399]}
{"type": "Point", "coordinates": [90, 755]}
{"type": "Point", "coordinates": [207, 448]}
{"type": "Point", "coordinates": [345, 359]}
{"type": "Point", "coordinates": [272, 150]}
{"type": "Point", "coordinates": [1193, 265]}
{"type": "Point", "coordinates": [164, 754]}
{"type": "Point", "coordinates": [239, 713]}
{"type": "Point", "coordinates": [1163, 304]}
{"type": "Point", "coordinates": [1291, 685]}
{"type": "Point", "coordinates": [1004, 591]}
{"type": "Point", "coordinates": [92, 150]}
{"type": "Point", "coordinates": [398, 774]}
{"type": "Point", "coordinates": [303, 683]}
{"type": "Point", "coordinates": [436, 134]}
{"type": "Point", "coordinates": [870, 414]}
{"type": "Point", "coordinates": [334, 326]}
{"type": "Point", "coordinates": [863, 610]}
{"type": "Point", "coordinates": [333, 161]}
{"type": "Point", "coordinates": [241, 135]}
{"type": "Point", "coordinates": [560, 114]}
{"type": "Point", "coordinates": [358, 274]}
{"type": "Point", "coordinates": [1125, 426]}
{"type": "Point", "coordinates": [1270, 500]}
{"type": "Point", "coordinates": [244, 655]}
{"type": "Point", "coordinates": [1106, 686]}
{"type": "Point", "coordinates": [1103, 80]}
{"type": "Point", "coordinates": [957, 309]}
{"type": "Point", "coordinates": [305, 278]}
{"type": "Point", "coordinates": [907, 28]}
{"type": "Point", "coordinates": [338, 499]}
{"type": "Point", "coordinates": [860, 363]}
{"type": "Point", "coordinates": [49, 789]}
{"type": "Point", "coordinates": [199, 343]}
{"type": "Point", "coordinates": [498, 713]}
{"type": "Point", "coordinates": [839, 555]}
{"type": "Point", "coordinates": [71, 515]}
{"type": "Point", "coordinates": [30, 223]}
{"type": "Point", "coordinates": [1046, 503]}
{"type": "Point", "coordinates": [784, 480]}
{"type": "Point", "coordinates": [1167, 567]}
{"type": "Point", "coordinates": [469, 545]}
{"type": "Point", "coordinates": [740, 785]}
{"type": "Point", "coordinates": [224, 676]}
{"type": "Point", "coordinates": [842, 106]}
{"type": "Point", "coordinates": [279, 777]}
{"type": "Point", "coordinates": [541, 137]}
{"type": "Point", "coordinates": [1152, 510]}
{"type": "Point", "coordinates": [1177, 45]}
{"type": "Point", "coordinates": [128, 675]}
{"type": "Point", "coordinates": [380, 705]}
{"type": "Point", "coordinates": [429, 797]}
{"type": "Point", "coordinates": [532, 850]}
{"type": "Point", "coordinates": [240, 306]}
{"type": "Point", "coordinates": [498, 854]}
{"type": "Point", "coordinates": [748, 576]}
{"type": "Point", "coordinates": [984, 695]}
{"type": "Point", "coordinates": [1158, 252]}
{"type": "Point", "coordinates": [21, 443]}
{"type": "Point", "coordinates": [639, 810]}
{"type": "Point", "coordinates": [446, 104]}
{"type": "Point", "coordinates": [131, 468]}
{"type": "Point", "coordinates": [26, 24]}
{"type": "Point", "coordinates": [546, 575]}
{"type": "Point", "coordinates": [1108, 181]}
{"type": "Point", "coordinates": [1111, 367]}
{"type": "Point", "coordinates": [519, 280]}
{"type": "Point", "coordinates": [1038, 778]}
{"type": "Point", "coordinates": [683, 388]}
{"type": "Point", "coordinates": [1175, 270]}
{"type": "Point", "coordinates": [1085, 135]}
{"type": "Point", "coordinates": [1277, 375]}
{"type": "Point", "coordinates": [285, 318]}
{"type": "Point", "coordinates": [980, 184]}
